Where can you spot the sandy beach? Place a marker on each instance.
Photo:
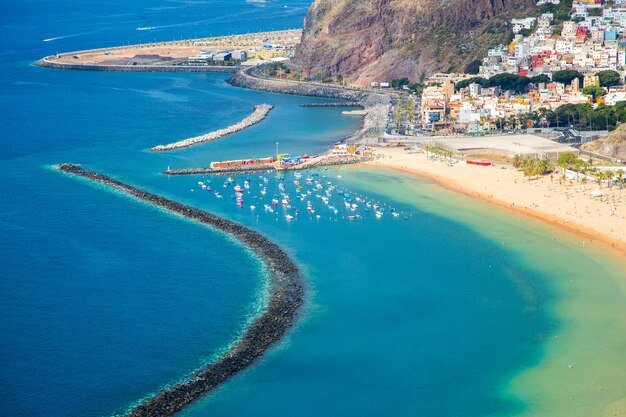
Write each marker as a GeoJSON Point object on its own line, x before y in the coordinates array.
{"type": "Point", "coordinates": [570, 206]}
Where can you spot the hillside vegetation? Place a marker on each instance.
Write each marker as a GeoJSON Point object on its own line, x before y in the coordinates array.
{"type": "Point", "coordinates": [376, 40]}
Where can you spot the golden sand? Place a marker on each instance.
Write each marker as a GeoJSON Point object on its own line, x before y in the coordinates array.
{"type": "Point", "coordinates": [569, 205]}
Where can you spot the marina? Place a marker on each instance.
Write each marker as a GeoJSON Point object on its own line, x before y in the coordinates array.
{"type": "Point", "coordinates": [294, 195]}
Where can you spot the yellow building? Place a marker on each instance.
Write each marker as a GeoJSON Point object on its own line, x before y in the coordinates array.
{"type": "Point", "coordinates": [591, 79]}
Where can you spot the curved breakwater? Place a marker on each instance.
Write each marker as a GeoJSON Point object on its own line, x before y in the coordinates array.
{"type": "Point", "coordinates": [341, 104]}
{"type": "Point", "coordinates": [286, 297]}
{"type": "Point", "coordinates": [47, 63]}
{"type": "Point", "coordinates": [260, 112]}
{"type": "Point", "coordinates": [376, 105]}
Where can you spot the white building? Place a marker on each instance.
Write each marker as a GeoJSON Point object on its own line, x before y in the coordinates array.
{"type": "Point", "coordinates": [614, 96]}
{"type": "Point", "coordinates": [240, 55]}
{"type": "Point", "coordinates": [526, 23]}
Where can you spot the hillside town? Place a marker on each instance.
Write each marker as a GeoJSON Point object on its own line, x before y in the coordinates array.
{"type": "Point", "coordinates": [563, 68]}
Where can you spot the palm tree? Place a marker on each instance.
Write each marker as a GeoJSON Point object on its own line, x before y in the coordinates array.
{"type": "Point", "coordinates": [620, 178]}
{"type": "Point", "coordinates": [608, 176]}
{"type": "Point", "coordinates": [599, 177]}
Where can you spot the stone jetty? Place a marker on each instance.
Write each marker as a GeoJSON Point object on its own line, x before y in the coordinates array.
{"type": "Point", "coordinates": [376, 105]}
{"type": "Point", "coordinates": [316, 162]}
{"type": "Point", "coordinates": [49, 62]}
{"type": "Point", "coordinates": [340, 104]}
{"type": "Point", "coordinates": [286, 298]}
{"type": "Point", "coordinates": [196, 171]}
{"type": "Point", "coordinates": [259, 113]}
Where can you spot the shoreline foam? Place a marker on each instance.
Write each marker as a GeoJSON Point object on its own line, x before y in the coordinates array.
{"type": "Point", "coordinates": [286, 298]}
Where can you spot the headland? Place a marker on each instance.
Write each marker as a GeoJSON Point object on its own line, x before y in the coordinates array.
{"type": "Point", "coordinates": [260, 112]}
{"type": "Point", "coordinates": [222, 54]}
{"type": "Point", "coordinates": [286, 298]}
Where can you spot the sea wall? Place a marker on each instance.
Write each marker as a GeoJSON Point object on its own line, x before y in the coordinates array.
{"type": "Point", "coordinates": [375, 104]}
{"type": "Point", "coordinates": [196, 171]}
{"type": "Point", "coordinates": [286, 298]}
{"type": "Point", "coordinates": [260, 112]}
{"type": "Point", "coordinates": [247, 79]}
{"type": "Point", "coordinates": [46, 63]}
{"type": "Point", "coordinates": [340, 104]}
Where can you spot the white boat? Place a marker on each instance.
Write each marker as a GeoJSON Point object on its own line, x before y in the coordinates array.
{"type": "Point", "coordinates": [252, 207]}
{"type": "Point", "coordinates": [289, 217]}
{"type": "Point", "coordinates": [395, 214]}
{"type": "Point", "coordinates": [238, 189]}
{"type": "Point", "coordinates": [263, 191]}
{"type": "Point", "coordinates": [379, 214]}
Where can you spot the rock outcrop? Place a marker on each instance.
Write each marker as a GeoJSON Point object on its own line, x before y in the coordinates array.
{"type": "Point", "coordinates": [611, 146]}
{"type": "Point", "coordinates": [367, 40]}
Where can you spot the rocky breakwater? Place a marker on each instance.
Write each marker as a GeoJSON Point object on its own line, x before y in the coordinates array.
{"type": "Point", "coordinates": [375, 104]}
{"type": "Point", "coordinates": [50, 62]}
{"type": "Point", "coordinates": [286, 298]}
{"type": "Point", "coordinates": [260, 112]}
{"type": "Point", "coordinates": [340, 104]}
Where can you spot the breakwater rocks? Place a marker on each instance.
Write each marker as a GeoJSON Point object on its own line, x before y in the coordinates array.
{"type": "Point", "coordinates": [196, 171]}
{"type": "Point", "coordinates": [341, 104]}
{"type": "Point", "coordinates": [260, 112]}
{"type": "Point", "coordinates": [247, 79]}
{"type": "Point", "coordinates": [286, 298]}
{"type": "Point", "coordinates": [48, 63]}
{"type": "Point", "coordinates": [376, 105]}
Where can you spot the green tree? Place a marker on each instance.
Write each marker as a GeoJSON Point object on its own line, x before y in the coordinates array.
{"type": "Point", "coordinates": [464, 83]}
{"type": "Point", "coordinates": [541, 78]}
{"type": "Point", "coordinates": [399, 82]}
{"type": "Point", "coordinates": [509, 82]}
{"type": "Point", "coordinates": [473, 67]}
{"type": "Point", "coordinates": [567, 159]}
{"type": "Point", "coordinates": [594, 91]}
{"type": "Point", "coordinates": [609, 78]}
{"type": "Point", "coordinates": [566, 76]}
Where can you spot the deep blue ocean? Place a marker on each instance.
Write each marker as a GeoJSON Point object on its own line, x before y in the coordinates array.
{"type": "Point", "coordinates": [105, 300]}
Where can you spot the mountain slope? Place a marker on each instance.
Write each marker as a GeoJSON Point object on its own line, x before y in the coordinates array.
{"type": "Point", "coordinates": [367, 40]}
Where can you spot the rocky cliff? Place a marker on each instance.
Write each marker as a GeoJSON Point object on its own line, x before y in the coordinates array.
{"type": "Point", "coordinates": [613, 145]}
{"type": "Point", "coordinates": [366, 40]}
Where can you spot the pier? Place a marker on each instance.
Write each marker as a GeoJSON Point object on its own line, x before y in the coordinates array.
{"type": "Point", "coordinates": [340, 104]}
{"type": "Point", "coordinates": [286, 298]}
{"type": "Point", "coordinates": [260, 112]}
{"type": "Point", "coordinates": [320, 161]}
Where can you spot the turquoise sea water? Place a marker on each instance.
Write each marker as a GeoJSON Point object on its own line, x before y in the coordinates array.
{"type": "Point", "coordinates": [452, 311]}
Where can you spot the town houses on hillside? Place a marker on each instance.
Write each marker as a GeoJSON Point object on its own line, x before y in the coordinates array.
{"type": "Point", "coordinates": [591, 43]}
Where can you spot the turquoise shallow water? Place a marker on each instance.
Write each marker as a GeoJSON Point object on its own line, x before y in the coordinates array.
{"type": "Point", "coordinates": [454, 310]}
